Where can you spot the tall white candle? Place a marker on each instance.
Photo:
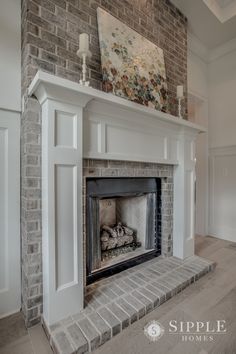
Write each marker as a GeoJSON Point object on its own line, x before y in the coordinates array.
{"type": "Point", "coordinates": [180, 91]}
{"type": "Point", "coordinates": [83, 42]}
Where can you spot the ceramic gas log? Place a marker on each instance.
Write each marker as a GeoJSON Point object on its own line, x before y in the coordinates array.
{"type": "Point", "coordinates": [120, 238]}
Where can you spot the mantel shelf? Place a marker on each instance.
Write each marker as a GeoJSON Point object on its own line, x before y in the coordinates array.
{"type": "Point", "coordinates": [45, 86]}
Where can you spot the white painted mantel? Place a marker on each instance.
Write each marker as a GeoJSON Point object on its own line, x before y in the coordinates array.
{"type": "Point", "coordinates": [81, 122]}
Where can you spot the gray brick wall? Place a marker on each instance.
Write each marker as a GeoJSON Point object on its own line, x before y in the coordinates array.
{"type": "Point", "coordinates": [51, 28]}
{"type": "Point", "coordinates": [50, 39]}
{"type": "Point", "coordinates": [31, 236]}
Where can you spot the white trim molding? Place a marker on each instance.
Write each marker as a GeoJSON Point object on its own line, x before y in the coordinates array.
{"type": "Point", "coordinates": [222, 50]}
{"type": "Point", "coordinates": [222, 150]}
{"type": "Point", "coordinates": [222, 13]}
{"type": "Point", "coordinates": [81, 122]}
{"type": "Point", "coordinates": [209, 55]}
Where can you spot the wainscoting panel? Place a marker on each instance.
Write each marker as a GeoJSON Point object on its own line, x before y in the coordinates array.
{"type": "Point", "coordinates": [223, 193]}
{"type": "Point", "coordinates": [10, 283]}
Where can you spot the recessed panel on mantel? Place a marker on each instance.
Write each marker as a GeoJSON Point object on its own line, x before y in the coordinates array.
{"type": "Point", "coordinates": [65, 130]}
{"type": "Point", "coordinates": [65, 226]}
{"type": "Point", "coordinates": [92, 136]}
{"type": "Point", "coordinates": [174, 149]}
{"type": "Point", "coordinates": [131, 142]}
{"type": "Point", "coordinates": [190, 150]}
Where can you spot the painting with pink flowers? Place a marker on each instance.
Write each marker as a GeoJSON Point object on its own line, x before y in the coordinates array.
{"type": "Point", "coordinates": [132, 66]}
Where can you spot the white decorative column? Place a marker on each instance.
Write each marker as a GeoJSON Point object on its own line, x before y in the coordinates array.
{"type": "Point", "coordinates": [62, 209]}
{"type": "Point", "coordinates": [62, 154]}
{"type": "Point", "coordinates": [184, 195]}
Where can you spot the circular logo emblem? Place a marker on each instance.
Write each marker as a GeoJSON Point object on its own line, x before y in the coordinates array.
{"type": "Point", "coordinates": [154, 330]}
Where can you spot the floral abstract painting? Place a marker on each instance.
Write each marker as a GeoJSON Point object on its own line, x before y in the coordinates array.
{"type": "Point", "coordinates": [132, 66]}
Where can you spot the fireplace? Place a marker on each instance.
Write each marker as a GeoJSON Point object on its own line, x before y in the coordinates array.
{"type": "Point", "coordinates": [81, 123]}
{"type": "Point", "coordinates": [123, 224]}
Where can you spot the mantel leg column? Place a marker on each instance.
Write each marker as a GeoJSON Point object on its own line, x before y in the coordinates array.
{"type": "Point", "coordinates": [184, 199]}
{"type": "Point", "coordinates": [62, 132]}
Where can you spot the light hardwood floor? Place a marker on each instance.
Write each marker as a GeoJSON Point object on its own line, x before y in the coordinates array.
{"type": "Point", "coordinates": [211, 298]}
{"type": "Point", "coordinates": [16, 339]}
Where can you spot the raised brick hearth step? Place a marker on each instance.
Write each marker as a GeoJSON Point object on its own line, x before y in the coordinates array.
{"type": "Point", "coordinates": [114, 303]}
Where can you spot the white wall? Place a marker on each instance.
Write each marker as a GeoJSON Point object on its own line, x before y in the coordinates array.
{"type": "Point", "coordinates": [197, 75]}
{"type": "Point", "coordinates": [222, 101]}
{"type": "Point", "coordinates": [198, 113]}
{"type": "Point", "coordinates": [212, 79]}
{"type": "Point", "coordinates": [222, 141]}
{"type": "Point", "coordinates": [10, 54]}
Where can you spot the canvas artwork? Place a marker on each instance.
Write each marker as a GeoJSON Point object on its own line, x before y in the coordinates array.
{"type": "Point", "coordinates": [132, 66]}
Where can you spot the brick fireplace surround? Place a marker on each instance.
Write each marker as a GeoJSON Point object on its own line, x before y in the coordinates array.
{"type": "Point", "coordinates": [106, 168]}
{"type": "Point", "coordinates": [50, 30]}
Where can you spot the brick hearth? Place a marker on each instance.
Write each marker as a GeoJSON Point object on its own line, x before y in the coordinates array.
{"type": "Point", "coordinates": [114, 303]}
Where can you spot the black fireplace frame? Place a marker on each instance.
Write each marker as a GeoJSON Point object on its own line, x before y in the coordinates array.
{"type": "Point", "coordinates": [99, 188]}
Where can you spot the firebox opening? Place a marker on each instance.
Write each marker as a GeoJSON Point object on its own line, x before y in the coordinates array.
{"type": "Point", "coordinates": [123, 223]}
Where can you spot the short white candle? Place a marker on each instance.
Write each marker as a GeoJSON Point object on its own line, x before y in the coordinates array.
{"type": "Point", "coordinates": [180, 91]}
{"type": "Point", "coordinates": [83, 42]}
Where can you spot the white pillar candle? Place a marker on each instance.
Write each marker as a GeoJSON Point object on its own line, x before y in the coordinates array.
{"type": "Point", "coordinates": [83, 42]}
{"type": "Point", "coordinates": [180, 91]}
